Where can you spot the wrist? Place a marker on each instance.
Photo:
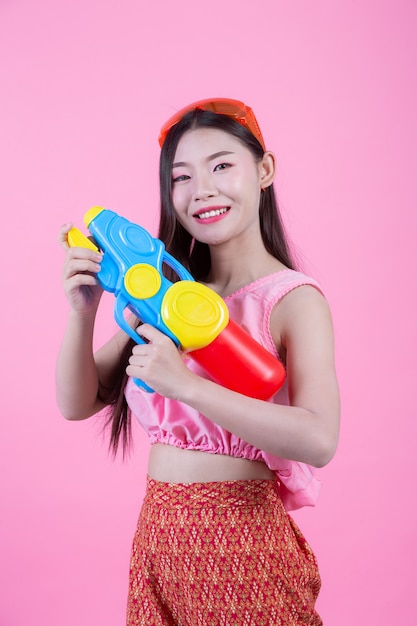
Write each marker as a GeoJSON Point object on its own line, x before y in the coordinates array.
{"type": "Point", "coordinates": [195, 389]}
{"type": "Point", "coordinates": [81, 321]}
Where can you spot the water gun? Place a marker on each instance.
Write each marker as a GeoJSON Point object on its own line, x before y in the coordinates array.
{"type": "Point", "coordinates": [194, 316]}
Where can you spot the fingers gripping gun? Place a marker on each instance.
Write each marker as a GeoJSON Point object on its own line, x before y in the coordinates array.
{"type": "Point", "coordinates": [194, 316]}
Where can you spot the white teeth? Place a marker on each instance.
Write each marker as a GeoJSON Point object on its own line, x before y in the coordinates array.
{"type": "Point", "coordinates": [213, 213]}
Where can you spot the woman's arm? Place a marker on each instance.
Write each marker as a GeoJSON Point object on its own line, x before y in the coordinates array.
{"type": "Point", "coordinates": [306, 431]}
{"type": "Point", "coordinates": [81, 376]}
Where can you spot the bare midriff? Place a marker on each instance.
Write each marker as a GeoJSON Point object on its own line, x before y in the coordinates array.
{"type": "Point", "coordinates": [175, 465]}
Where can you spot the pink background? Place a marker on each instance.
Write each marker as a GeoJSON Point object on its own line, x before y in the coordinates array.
{"type": "Point", "coordinates": [85, 86]}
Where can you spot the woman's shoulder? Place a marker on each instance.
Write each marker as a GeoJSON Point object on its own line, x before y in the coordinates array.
{"type": "Point", "coordinates": [304, 312]}
{"type": "Point", "coordinates": [275, 286]}
{"type": "Point", "coordinates": [290, 279]}
{"type": "Point", "coordinates": [303, 296]}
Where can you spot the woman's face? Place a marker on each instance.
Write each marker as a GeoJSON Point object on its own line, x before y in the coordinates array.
{"type": "Point", "coordinates": [216, 185]}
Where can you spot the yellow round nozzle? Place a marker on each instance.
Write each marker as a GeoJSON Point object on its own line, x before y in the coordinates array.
{"type": "Point", "coordinates": [194, 313]}
{"type": "Point", "coordinates": [91, 214]}
{"type": "Point", "coordinates": [142, 281]}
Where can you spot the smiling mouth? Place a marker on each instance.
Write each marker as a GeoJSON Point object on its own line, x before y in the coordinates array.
{"type": "Point", "coordinates": [211, 213]}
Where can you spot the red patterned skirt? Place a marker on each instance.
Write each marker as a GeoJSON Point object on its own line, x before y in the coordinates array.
{"type": "Point", "coordinates": [220, 553]}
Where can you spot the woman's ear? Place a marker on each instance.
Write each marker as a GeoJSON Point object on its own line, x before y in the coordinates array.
{"type": "Point", "coordinates": [267, 170]}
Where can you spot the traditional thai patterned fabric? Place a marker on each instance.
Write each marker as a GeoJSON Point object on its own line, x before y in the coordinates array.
{"type": "Point", "coordinates": [220, 554]}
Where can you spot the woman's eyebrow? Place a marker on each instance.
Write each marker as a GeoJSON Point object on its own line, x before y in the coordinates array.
{"type": "Point", "coordinates": [216, 155]}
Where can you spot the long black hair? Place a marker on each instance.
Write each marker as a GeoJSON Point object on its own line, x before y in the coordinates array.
{"type": "Point", "coordinates": [194, 255]}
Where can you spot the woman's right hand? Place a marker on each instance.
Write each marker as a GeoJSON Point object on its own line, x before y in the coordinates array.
{"type": "Point", "coordinates": [79, 279]}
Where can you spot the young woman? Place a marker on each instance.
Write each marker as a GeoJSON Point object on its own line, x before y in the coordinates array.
{"type": "Point", "coordinates": [215, 543]}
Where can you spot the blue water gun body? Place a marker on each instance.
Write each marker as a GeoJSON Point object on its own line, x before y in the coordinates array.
{"type": "Point", "coordinates": [191, 314]}
{"type": "Point", "coordinates": [132, 268]}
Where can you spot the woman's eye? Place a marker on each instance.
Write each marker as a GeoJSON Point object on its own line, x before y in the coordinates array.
{"type": "Point", "coordinates": [222, 166]}
{"type": "Point", "coordinates": [180, 178]}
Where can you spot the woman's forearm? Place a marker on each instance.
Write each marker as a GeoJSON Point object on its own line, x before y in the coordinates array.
{"type": "Point", "coordinates": [288, 432]}
{"type": "Point", "coordinates": [77, 380]}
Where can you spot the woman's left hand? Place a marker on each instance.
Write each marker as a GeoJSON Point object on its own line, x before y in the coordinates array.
{"type": "Point", "coordinates": [159, 363]}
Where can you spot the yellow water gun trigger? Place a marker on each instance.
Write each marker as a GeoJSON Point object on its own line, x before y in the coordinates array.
{"type": "Point", "coordinates": [76, 239]}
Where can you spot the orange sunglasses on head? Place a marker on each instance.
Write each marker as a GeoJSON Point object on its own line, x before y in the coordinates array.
{"type": "Point", "coordinates": [232, 108]}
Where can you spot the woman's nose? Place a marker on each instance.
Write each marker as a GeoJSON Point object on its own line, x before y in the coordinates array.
{"type": "Point", "coordinates": [204, 188]}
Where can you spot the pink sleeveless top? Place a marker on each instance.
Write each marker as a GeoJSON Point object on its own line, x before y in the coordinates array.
{"type": "Point", "coordinates": [174, 423]}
